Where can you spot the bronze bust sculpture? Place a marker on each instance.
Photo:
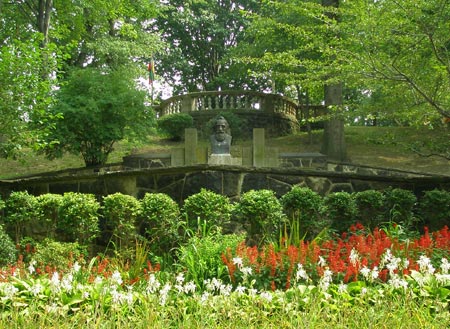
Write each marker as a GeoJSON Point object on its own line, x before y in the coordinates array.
{"type": "Point", "coordinates": [220, 139]}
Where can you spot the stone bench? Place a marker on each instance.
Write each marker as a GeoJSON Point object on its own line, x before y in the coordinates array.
{"type": "Point", "coordinates": [147, 160]}
{"type": "Point", "coordinates": [302, 159]}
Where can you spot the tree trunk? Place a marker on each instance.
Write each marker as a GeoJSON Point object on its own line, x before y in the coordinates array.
{"type": "Point", "coordinates": [333, 134]}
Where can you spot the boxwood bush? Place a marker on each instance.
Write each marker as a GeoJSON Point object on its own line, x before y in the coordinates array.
{"type": "Point", "coordinates": [173, 125]}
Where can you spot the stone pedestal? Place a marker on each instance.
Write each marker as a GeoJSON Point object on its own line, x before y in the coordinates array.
{"type": "Point", "coordinates": [224, 159]}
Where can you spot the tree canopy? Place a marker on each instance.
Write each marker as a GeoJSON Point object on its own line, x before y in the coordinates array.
{"type": "Point", "coordinates": [96, 110]}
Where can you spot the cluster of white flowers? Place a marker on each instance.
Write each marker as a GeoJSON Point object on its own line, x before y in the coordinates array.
{"type": "Point", "coordinates": [326, 279]}
{"type": "Point", "coordinates": [354, 257]}
{"type": "Point", "coordinates": [425, 265]}
{"type": "Point", "coordinates": [369, 274]}
{"type": "Point", "coordinates": [183, 287]}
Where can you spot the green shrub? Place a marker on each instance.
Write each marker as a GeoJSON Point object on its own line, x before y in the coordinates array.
{"type": "Point", "coordinates": [370, 207]}
{"type": "Point", "coordinates": [120, 214]}
{"type": "Point", "coordinates": [206, 210]}
{"type": "Point", "coordinates": [434, 209]}
{"type": "Point", "coordinates": [340, 209]}
{"type": "Point", "coordinates": [8, 252]}
{"type": "Point", "coordinates": [262, 215]}
{"type": "Point", "coordinates": [57, 255]}
{"type": "Point", "coordinates": [200, 257]}
{"type": "Point", "coordinates": [304, 209]}
{"type": "Point", "coordinates": [399, 204]}
{"type": "Point", "coordinates": [20, 211]}
{"type": "Point", "coordinates": [161, 221]}
{"type": "Point", "coordinates": [79, 218]}
{"type": "Point", "coordinates": [174, 124]}
{"type": "Point", "coordinates": [47, 209]}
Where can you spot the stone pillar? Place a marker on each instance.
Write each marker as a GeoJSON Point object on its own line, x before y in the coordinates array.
{"type": "Point", "coordinates": [190, 146]}
{"type": "Point", "coordinates": [259, 145]}
{"type": "Point", "coordinates": [187, 104]}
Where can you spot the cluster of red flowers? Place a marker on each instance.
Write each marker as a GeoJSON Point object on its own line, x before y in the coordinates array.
{"type": "Point", "coordinates": [345, 256]}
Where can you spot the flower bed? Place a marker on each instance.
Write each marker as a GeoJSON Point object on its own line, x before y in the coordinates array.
{"type": "Point", "coordinates": [357, 268]}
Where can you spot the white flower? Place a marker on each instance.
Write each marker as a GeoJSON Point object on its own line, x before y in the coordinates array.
{"type": "Point", "coordinates": [237, 261]}
{"type": "Point", "coordinates": [326, 280]}
{"type": "Point", "coordinates": [267, 296]}
{"type": "Point", "coordinates": [10, 290]}
{"type": "Point", "coordinates": [98, 280]}
{"type": "Point", "coordinates": [443, 279]}
{"type": "Point", "coordinates": [116, 278]}
{"type": "Point", "coordinates": [322, 262]}
{"type": "Point", "coordinates": [76, 267]}
{"type": "Point", "coordinates": [31, 268]}
{"type": "Point", "coordinates": [246, 270]}
{"type": "Point", "coordinates": [445, 265]}
{"type": "Point", "coordinates": [342, 288]}
{"type": "Point", "coordinates": [152, 284]}
{"type": "Point", "coordinates": [163, 293]}
{"type": "Point", "coordinates": [225, 290]}
{"type": "Point", "coordinates": [375, 273]}
{"type": "Point", "coordinates": [205, 297]}
{"type": "Point", "coordinates": [54, 282]}
{"type": "Point", "coordinates": [425, 265]}
{"type": "Point", "coordinates": [36, 289]}
{"type": "Point", "coordinates": [252, 292]}
{"type": "Point", "coordinates": [354, 256]}
{"type": "Point", "coordinates": [398, 282]}
{"type": "Point", "coordinates": [190, 287]}
{"type": "Point", "coordinates": [240, 290]}
{"type": "Point", "coordinates": [365, 271]}
{"type": "Point", "coordinates": [180, 278]}
{"type": "Point", "coordinates": [363, 291]}
{"type": "Point", "coordinates": [66, 282]}
{"type": "Point", "coordinates": [301, 273]}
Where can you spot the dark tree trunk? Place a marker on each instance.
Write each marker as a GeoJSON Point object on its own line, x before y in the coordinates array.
{"type": "Point", "coordinates": [333, 135]}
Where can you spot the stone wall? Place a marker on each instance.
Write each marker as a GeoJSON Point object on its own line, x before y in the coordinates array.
{"type": "Point", "coordinates": [232, 181]}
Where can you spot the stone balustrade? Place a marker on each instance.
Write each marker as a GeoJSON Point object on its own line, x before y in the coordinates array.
{"type": "Point", "coordinates": [228, 100]}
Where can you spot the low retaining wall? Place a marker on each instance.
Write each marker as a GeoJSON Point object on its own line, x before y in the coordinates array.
{"type": "Point", "coordinates": [232, 181]}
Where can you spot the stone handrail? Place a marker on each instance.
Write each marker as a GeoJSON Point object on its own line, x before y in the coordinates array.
{"type": "Point", "coordinates": [228, 100]}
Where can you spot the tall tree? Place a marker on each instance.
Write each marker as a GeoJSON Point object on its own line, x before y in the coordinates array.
{"type": "Point", "coordinates": [42, 40]}
{"type": "Point", "coordinates": [333, 136]}
{"type": "Point", "coordinates": [401, 48]}
{"type": "Point", "coordinates": [199, 33]}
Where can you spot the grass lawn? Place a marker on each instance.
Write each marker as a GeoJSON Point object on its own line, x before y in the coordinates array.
{"type": "Point", "coordinates": [374, 146]}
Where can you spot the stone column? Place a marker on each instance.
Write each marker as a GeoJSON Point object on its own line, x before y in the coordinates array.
{"type": "Point", "coordinates": [190, 146]}
{"type": "Point", "coordinates": [259, 145]}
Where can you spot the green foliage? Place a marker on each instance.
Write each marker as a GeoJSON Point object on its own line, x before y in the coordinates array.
{"type": "Point", "coordinates": [47, 209]}
{"type": "Point", "coordinates": [262, 215]}
{"type": "Point", "coordinates": [174, 125]}
{"type": "Point", "coordinates": [370, 206]}
{"type": "Point", "coordinates": [340, 210]}
{"type": "Point", "coordinates": [57, 255]}
{"type": "Point", "coordinates": [8, 252]}
{"type": "Point", "coordinates": [98, 109]}
{"type": "Point", "coordinates": [434, 209]}
{"type": "Point", "coordinates": [400, 205]}
{"type": "Point", "coordinates": [20, 210]}
{"type": "Point", "coordinates": [120, 214]}
{"type": "Point", "coordinates": [210, 208]}
{"type": "Point", "coordinates": [304, 208]}
{"type": "Point", "coordinates": [200, 257]}
{"type": "Point", "coordinates": [78, 218]}
{"type": "Point", "coordinates": [161, 221]}
{"type": "Point", "coordinates": [199, 37]}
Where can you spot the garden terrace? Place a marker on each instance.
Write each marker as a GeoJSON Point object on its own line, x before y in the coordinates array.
{"type": "Point", "coordinates": [278, 114]}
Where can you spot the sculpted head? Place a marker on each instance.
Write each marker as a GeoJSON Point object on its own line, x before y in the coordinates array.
{"type": "Point", "coordinates": [220, 129]}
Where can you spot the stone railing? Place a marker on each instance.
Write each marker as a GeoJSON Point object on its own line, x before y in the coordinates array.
{"type": "Point", "coordinates": [228, 100]}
